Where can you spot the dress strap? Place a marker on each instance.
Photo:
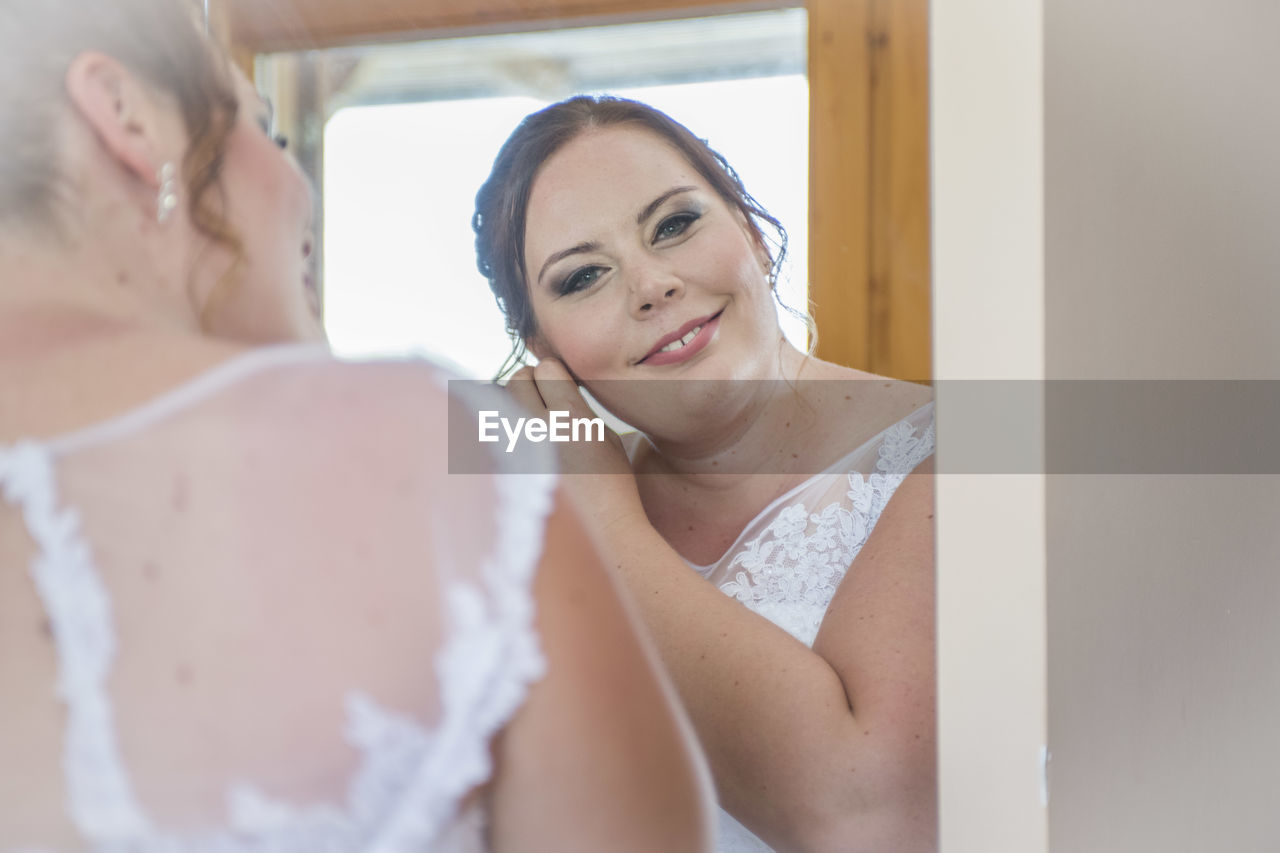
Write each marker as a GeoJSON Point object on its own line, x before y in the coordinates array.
{"type": "Point", "coordinates": [907, 443]}
{"type": "Point", "coordinates": [903, 447]}
{"type": "Point", "coordinates": [101, 803]}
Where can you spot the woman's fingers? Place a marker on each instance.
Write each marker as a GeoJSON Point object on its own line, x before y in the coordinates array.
{"type": "Point", "coordinates": [523, 387]}
{"type": "Point", "coordinates": [559, 390]}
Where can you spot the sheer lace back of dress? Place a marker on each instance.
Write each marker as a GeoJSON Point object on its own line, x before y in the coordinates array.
{"type": "Point", "coordinates": [301, 637]}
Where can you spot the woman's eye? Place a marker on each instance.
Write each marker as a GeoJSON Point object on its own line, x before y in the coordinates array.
{"type": "Point", "coordinates": [580, 279]}
{"type": "Point", "coordinates": [673, 226]}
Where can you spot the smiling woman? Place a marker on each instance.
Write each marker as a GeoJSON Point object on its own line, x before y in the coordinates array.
{"type": "Point", "coordinates": [605, 306]}
{"type": "Point", "coordinates": [793, 606]}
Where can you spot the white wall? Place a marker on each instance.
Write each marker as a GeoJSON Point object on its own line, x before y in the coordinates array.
{"type": "Point", "coordinates": [986, 119]}
{"type": "Point", "coordinates": [1106, 207]}
{"type": "Point", "coordinates": [1162, 206]}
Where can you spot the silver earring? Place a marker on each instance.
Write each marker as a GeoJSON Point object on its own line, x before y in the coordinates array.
{"type": "Point", "coordinates": [167, 196]}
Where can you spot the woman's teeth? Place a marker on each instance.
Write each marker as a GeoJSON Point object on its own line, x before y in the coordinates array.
{"type": "Point", "coordinates": [680, 342]}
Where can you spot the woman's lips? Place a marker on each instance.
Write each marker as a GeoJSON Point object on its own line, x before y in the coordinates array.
{"type": "Point", "coordinates": [674, 348]}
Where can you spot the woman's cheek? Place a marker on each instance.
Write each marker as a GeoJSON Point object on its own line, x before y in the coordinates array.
{"type": "Point", "coordinates": [581, 345]}
{"type": "Point", "coordinates": [584, 364]}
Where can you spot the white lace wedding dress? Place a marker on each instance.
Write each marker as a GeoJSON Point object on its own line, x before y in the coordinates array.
{"type": "Point", "coordinates": [787, 563]}
{"type": "Point", "coordinates": [366, 721]}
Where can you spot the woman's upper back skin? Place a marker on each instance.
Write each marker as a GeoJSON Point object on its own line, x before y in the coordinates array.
{"type": "Point", "coordinates": [272, 546]}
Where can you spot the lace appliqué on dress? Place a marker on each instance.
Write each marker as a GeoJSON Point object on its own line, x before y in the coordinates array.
{"type": "Point", "coordinates": [102, 803]}
{"type": "Point", "coordinates": [789, 572]}
{"type": "Point", "coordinates": [484, 672]}
{"type": "Point", "coordinates": [407, 792]}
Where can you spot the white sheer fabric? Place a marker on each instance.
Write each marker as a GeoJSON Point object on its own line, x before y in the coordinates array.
{"type": "Point", "coordinates": [365, 723]}
{"type": "Point", "coordinates": [788, 562]}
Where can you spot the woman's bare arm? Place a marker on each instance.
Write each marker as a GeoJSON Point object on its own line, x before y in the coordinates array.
{"type": "Point", "coordinates": [822, 749]}
{"type": "Point", "coordinates": [829, 749]}
{"type": "Point", "coordinates": [600, 757]}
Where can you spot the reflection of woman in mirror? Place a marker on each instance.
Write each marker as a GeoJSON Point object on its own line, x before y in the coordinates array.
{"type": "Point", "coordinates": [240, 607]}
{"type": "Point", "coordinates": [625, 253]}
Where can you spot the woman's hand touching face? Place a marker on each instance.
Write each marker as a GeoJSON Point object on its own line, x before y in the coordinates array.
{"type": "Point", "coordinates": [598, 473]}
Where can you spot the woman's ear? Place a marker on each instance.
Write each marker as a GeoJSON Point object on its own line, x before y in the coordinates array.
{"type": "Point", "coordinates": [123, 115]}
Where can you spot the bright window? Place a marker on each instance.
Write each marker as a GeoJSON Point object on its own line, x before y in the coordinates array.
{"type": "Point", "coordinates": [399, 177]}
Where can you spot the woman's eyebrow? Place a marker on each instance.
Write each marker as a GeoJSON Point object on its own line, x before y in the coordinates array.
{"type": "Point", "coordinates": [657, 202]}
{"type": "Point", "coordinates": [580, 249]}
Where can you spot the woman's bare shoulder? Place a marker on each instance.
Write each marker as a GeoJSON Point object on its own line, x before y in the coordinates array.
{"type": "Point", "coordinates": [860, 401]}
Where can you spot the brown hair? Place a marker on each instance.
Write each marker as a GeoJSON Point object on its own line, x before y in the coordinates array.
{"type": "Point", "coordinates": [503, 201]}
{"type": "Point", "coordinates": [161, 41]}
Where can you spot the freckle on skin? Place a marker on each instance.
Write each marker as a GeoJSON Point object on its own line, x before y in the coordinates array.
{"type": "Point", "coordinates": [847, 397]}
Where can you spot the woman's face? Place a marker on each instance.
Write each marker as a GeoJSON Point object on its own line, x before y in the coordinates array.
{"type": "Point", "coordinates": [272, 296]}
{"type": "Point", "coordinates": [637, 269]}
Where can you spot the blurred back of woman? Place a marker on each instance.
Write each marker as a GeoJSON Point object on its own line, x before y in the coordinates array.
{"type": "Point", "coordinates": [243, 603]}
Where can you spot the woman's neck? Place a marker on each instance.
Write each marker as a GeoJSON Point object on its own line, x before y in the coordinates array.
{"type": "Point", "coordinates": [51, 296]}
{"type": "Point", "coordinates": [755, 427]}
{"type": "Point", "coordinates": [80, 332]}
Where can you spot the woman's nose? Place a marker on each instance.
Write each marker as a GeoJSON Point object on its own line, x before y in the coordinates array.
{"type": "Point", "coordinates": [652, 289]}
